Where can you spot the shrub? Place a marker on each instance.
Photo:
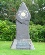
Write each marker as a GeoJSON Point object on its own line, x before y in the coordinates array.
{"type": "Point", "coordinates": [8, 31]}
{"type": "Point", "coordinates": [37, 33]}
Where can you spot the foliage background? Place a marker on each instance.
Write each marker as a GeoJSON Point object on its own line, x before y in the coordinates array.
{"type": "Point", "coordinates": [8, 9]}
{"type": "Point", "coordinates": [8, 31]}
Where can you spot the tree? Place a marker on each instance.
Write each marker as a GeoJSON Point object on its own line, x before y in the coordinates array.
{"type": "Point", "coordinates": [35, 7]}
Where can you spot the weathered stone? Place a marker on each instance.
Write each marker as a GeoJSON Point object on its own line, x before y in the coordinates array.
{"type": "Point", "coordinates": [22, 29]}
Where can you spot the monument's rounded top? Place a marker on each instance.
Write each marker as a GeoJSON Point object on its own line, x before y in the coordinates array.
{"type": "Point", "coordinates": [23, 12]}
{"type": "Point", "coordinates": [23, 3]}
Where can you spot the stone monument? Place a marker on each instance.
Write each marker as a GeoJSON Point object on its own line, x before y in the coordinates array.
{"type": "Point", "coordinates": [22, 40]}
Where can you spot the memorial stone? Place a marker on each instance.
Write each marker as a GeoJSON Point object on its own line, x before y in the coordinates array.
{"type": "Point", "coordinates": [22, 40]}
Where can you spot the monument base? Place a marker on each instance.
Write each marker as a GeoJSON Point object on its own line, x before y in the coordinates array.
{"type": "Point", "coordinates": [22, 44]}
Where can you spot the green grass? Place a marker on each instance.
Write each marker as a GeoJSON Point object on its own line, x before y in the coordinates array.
{"type": "Point", "coordinates": [6, 50]}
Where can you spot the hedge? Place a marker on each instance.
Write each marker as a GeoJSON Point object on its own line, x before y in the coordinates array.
{"type": "Point", "coordinates": [37, 33]}
{"type": "Point", "coordinates": [8, 31]}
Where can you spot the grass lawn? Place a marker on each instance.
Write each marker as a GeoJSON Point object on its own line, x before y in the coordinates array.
{"type": "Point", "coordinates": [6, 50]}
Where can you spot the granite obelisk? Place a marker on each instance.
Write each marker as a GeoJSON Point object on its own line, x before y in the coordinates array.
{"type": "Point", "coordinates": [22, 40]}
